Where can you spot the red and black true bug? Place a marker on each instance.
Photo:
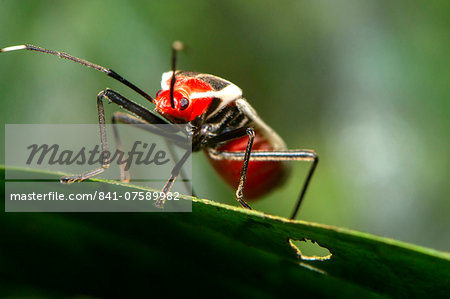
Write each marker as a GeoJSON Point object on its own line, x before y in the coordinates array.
{"type": "Point", "coordinates": [243, 149]}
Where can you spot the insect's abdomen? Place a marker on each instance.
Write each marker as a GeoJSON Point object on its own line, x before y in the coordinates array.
{"type": "Point", "coordinates": [262, 176]}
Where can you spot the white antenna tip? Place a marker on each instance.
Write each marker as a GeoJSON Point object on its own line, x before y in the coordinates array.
{"type": "Point", "coordinates": [13, 48]}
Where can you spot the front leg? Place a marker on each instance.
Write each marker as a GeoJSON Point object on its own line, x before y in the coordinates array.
{"type": "Point", "coordinates": [170, 140]}
{"type": "Point", "coordinates": [146, 115]}
{"type": "Point", "coordinates": [105, 161]}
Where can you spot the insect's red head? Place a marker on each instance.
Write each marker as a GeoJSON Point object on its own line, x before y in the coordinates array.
{"type": "Point", "coordinates": [187, 104]}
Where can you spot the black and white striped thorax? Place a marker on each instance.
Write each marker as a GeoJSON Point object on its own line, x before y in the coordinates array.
{"type": "Point", "coordinates": [239, 114]}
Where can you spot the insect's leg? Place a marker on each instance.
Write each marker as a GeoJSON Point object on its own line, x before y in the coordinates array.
{"type": "Point", "coordinates": [183, 175]}
{"type": "Point", "coordinates": [133, 107]}
{"type": "Point", "coordinates": [136, 109]}
{"type": "Point", "coordinates": [246, 157]}
{"type": "Point", "coordinates": [174, 174]}
{"type": "Point", "coordinates": [290, 155]}
{"type": "Point", "coordinates": [125, 118]}
{"type": "Point", "coordinates": [239, 192]}
{"type": "Point", "coordinates": [104, 158]}
{"type": "Point", "coordinates": [305, 184]}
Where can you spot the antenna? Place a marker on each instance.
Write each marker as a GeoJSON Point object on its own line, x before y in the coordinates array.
{"type": "Point", "coordinates": [100, 68]}
{"type": "Point", "coordinates": [176, 46]}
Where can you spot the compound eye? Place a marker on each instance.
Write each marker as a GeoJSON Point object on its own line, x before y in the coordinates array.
{"type": "Point", "coordinates": [184, 103]}
{"type": "Point", "coordinates": [158, 93]}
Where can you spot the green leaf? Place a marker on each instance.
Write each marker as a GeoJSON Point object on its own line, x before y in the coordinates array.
{"type": "Point", "coordinates": [219, 249]}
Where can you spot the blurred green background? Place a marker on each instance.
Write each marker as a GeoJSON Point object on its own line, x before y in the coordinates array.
{"type": "Point", "coordinates": [364, 83]}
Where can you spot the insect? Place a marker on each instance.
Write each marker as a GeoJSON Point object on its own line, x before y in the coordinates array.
{"type": "Point", "coordinates": [248, 154]}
